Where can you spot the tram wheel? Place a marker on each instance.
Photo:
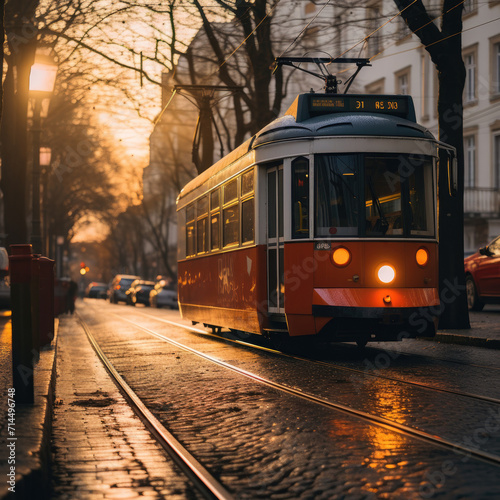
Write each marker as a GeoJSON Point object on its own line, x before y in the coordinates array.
{"type": "Point", "coordinates": [362, 343]}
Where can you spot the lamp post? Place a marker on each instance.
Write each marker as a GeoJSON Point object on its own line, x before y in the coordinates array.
{"type": "Point", "coordinates": [42, 81]}
{"type": "Point", "coordinates": [45, 157]}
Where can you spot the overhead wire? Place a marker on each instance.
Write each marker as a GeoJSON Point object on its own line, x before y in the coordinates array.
{"type": "Point", "coordinates": [418, 29]}
{"type": "Point", "coordinates": [252, 32]}
{"type": "Point", "coordinates": [305, 28]}
{"type": "Point", "coordinates": [227, 58]}
{"type": "Point", "coordinates": [437, 41]}
{"type": "Point", "coordinates": [365, 39]}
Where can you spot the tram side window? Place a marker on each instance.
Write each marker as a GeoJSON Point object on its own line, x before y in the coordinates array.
{"type": "Point", "coordinates": [231, 191]}
{"type": "Point", "coordinates": [190, 231]}
{"type": "Point", "coordinates": [214, 220]}
{"type": "Point", "coordinates": [231, 225]}
{"type": "Point", "coordinates": [214, 228]}
{"type": "Point", "coordinates": [202, 235]}
{"type": "Point", "coordinates": [247, 182]}
{"type": "Point", "coordinates": [247, 220]}
{"type": "Point", "coordinates": [300, 198]}
{"type": "Point", "coordinates": [420, 197]}
{"type": "Point", "coordinates": [247, 207]}
{"type": "Point", "coordinates": [336, 181]}
{"type": "Point", "coordinates": [202, 225]}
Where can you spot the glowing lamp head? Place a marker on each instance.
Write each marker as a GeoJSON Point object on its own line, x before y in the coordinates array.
{"type": "Point", "coordinates": [341, 256]}
{"type": "Point", "coordinates": [43, 74]}
{"type": "Point", "coordinates": [386, 274]}
{"type": "Point", "coordinates": [422, 256]}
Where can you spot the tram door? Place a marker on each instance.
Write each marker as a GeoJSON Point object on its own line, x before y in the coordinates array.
{"type": "Point", "coordinates": [275, 241]}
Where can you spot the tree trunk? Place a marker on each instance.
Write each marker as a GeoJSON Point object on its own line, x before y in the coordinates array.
{"type": "Point", "coordinates": [21, 36]}
{"type": "Point", "coordinates": [445, 48]}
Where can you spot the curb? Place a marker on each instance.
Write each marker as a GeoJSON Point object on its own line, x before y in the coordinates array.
{"type": "Point", "coordinates": [34, 429]}
{"type": "Point", "coordinates": [450, 338]}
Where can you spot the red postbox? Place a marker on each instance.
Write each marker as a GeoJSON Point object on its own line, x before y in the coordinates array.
{"type": "Point", "coordinates": [35, 300]}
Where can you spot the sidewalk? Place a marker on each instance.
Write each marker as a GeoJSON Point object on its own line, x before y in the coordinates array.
{"type": "Point", "coordinates": [484, 331]}
{"type": "Point", "coordinates": [30, 452]}
{"type": "Point", "coordinates": [101, 449]}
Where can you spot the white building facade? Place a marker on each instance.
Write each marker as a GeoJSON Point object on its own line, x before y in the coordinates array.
{"type": "Point", "coordinates": [400, 65]}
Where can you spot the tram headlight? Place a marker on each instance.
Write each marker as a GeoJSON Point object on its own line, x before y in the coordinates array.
{"type": "Point", "coordinates": [386, 274]}
{"type": "Point", "coordinates": [341, 256]}
{"type": "Point", "coordinates": [422, 256]}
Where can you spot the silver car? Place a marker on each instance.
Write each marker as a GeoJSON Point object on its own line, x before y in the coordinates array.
{"type": "Point", "coordinates": [163, 295]}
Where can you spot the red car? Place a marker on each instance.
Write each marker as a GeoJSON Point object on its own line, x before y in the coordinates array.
{"type": "Point", "coordinates": [482, 274]}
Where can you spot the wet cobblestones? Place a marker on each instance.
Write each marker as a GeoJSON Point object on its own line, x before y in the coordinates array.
{"type": "Point", "coordinates": [100, 448]}
{"type": "Point", "coordinates": [266, 445]}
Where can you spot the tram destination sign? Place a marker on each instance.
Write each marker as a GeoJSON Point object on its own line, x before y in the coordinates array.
{"type": "Point", "coordinates": [310, 105]}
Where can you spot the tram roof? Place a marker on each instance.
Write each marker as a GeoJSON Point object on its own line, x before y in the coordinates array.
{"type": "Point", "coordinates": [319, 115]}
{"type": "Point", "coordinates": [325, 115]}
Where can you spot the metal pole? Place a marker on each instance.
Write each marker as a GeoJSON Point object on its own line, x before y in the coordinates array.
{"type": "Point", "coordinates": [36, 233]}
{"type": "Point", "coordinates": [22, 334]}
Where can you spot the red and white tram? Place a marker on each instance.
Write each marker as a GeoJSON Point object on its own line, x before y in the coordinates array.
{"type": "Point", "coordinates": [323, 223]}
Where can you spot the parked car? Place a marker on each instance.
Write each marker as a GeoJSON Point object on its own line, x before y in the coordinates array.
{"type": "Point", "coordinates": [120, 284]}
{"type": "Point", "coordinates": [138, 293]}
{"type": "Point", "coordinates": [482, 275]}
{"type": "Point", "coordinates": [4, 279]}
{"type": "Point", "coordinates": [4, 293]}
{"type": "Point", "coordinates": [164, 295]}
{"type": "Point", "coordinates": [96, 290]}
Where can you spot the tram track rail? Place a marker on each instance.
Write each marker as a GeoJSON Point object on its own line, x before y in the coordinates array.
{"type": "Point", "coordinates": [387, 424]}
{"type": "Point", "coordinates": [364, 373]}
{"type": "Point", "coordinates": [207, 485]}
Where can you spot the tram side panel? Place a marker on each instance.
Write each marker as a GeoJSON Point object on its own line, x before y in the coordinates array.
{"type": "Point", "coordinates": [225, 289]}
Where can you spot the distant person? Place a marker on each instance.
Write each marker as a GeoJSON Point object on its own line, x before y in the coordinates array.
{"type": "Point", "coordinates": [72, 292]}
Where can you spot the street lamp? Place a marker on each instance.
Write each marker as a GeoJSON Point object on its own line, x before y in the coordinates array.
{"type": "Point", "coordinates": [45, 158]}
{"type": "Point", "coordinates": [42, 81]}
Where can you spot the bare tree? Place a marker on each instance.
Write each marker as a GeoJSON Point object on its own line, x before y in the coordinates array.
{"type": "Point", "coordinates": [21, 42]}
{"type": "Point", "coordinates": [445, 49]}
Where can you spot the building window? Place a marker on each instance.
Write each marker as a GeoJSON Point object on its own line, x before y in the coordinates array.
{"type": "Point", "coordinates": [470, 90]}
{"type": "Point", "coordinates": [470, 7]}
{"type": "Point", "coordinates": [403, 82]}
{"type": "Point", "coordinates": [310, 8]}
{"type": "Point", "coordinates": [374, 16]}
{"type": "Point", "coordinates": [496, 160]}
{"type": "Point", "coordinates": [470, 161]}
{"type": "Point", "coordinates": [495, 67]}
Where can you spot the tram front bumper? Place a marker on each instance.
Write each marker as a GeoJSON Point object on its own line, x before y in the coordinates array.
{"type": "Point", "coordinates": [414, 311]}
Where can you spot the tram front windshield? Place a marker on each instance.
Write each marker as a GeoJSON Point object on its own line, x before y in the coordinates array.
{"type": "Point", "coordinates": [374, 195]}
